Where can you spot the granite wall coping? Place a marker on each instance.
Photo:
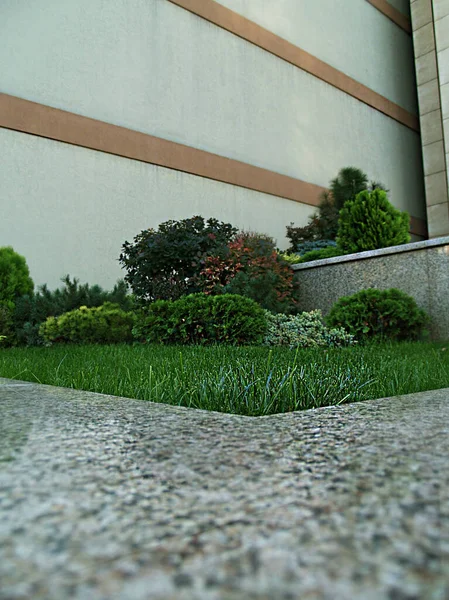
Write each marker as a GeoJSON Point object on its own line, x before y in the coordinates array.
{"type": "Point", "coordinates": [433, 243]}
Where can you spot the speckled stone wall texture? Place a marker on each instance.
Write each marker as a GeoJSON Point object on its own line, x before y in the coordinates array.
{"type": "Point", "coordinates": [420, 269]}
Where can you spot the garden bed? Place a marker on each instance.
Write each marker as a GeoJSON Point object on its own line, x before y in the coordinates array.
{"type": "Point", "coordinates": [252, 381]}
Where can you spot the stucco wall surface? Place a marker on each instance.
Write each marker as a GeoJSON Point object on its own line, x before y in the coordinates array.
{"type": "Point", "coordinates": [68, 210]}
{"type": "Point", "coordinates": [422, 272]}
{"type": "Point", "coordinates": [351, 35]}
{"type": "Point", "coordinates": [162, 70]}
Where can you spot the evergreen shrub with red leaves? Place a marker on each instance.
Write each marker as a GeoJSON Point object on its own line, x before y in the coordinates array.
{"type": "Point", "coordinates": [251, 267]}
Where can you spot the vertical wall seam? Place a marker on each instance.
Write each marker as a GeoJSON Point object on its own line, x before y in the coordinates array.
{"type": "Point", "coordinates": [445, 146]}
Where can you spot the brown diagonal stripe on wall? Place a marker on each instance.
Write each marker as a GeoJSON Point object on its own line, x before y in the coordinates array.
{"type": "Point", "coordinates": [45, 121]}
{"type": "Point", "coordinates": [393, 14]}
{"type": "Point", "coordinates": [255, 34]}
{"type": "Point", "coordinates": [63, 126]}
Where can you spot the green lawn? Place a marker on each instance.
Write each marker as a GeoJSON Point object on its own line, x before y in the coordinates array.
{"type": "Point", "coordinates": [248, 381]}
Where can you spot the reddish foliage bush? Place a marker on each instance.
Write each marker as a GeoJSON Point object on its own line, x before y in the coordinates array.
{"type": "Point", "coordinates": [251, 267]}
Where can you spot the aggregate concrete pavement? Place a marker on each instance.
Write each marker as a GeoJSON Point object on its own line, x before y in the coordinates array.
{"type": "Point", "coordinates": [109, 498]}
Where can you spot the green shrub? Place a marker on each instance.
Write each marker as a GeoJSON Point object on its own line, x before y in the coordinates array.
{"type": "Point", "coordinates": [387, 314]}
{"type": "Point", "coordinates": [31, 311]}
{"type": "Point", "coordinates": [15, 281]}
{"type": "Point", "coordinates": [305, 330]}
{"type": "Point", "coordinates": [6, 325]}
{"type": "Point", "coordinates": [253, 268]}
{"type": "Point", "coordinates": [164, 264]}
{"type": "Point", "coordinates": [15, 277]}
{"type": "Point", "coordinates": [328, 252]}
{"type": "Point", "coordinates": [202, 319]}
{"type": "Point", "coordinates": [106, 324]}
{"type": "Point", "coordinates": [290, 258]}
{"type": "Point", "coordinates": [323, 224]}
{"type": "Point", "coordinates": [369, 222]}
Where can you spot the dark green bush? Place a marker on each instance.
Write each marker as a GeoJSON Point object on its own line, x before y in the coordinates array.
{"type": "Point", "coordinates": [369, 222]}
{"type": "Point", "coordinates": [202, 319]}
{"type": "Point", "coordinates": [31, 311]}
{"type": "Point", "coordinates": [349, 182]}
{"type": "Point", "coordinates": [106, 324]}
{"type": "Point", "coordinates": [165, 264]}
{"type": "Point", "coordinates": [328, 252]}
{"type": "Point", "coordinates": [386, 314]}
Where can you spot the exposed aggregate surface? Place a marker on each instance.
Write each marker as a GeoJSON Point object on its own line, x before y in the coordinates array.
{"type": "Point", "coordinates": [109, 498]}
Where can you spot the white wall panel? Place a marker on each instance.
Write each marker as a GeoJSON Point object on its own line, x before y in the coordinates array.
{"type": "Point", "coordinates": [69, 210]}
{"type": "Point", "coordinates": [351, 35]}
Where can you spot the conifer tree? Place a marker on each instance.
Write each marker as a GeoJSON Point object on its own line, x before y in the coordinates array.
{"type": "Point", "coordinates": [370, 221]}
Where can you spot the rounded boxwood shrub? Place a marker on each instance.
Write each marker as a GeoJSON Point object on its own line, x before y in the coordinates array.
{"type": "Point", "coordinates": [15, 277]}
{"type": "Point", "coordinates": [202, 319]}
{"type": "Point", "coordinates": [304, 330]}
{"type": "Point", "coordinates": [369, 222]}
{"type": "Point", "coordinates": [388, 314]}
{"type": "Point", "coordinates": [106, 324]}
{"type": "Point", "coordinates": [15, 281]}
{"type": "Point", "coordinates": [32, 310]}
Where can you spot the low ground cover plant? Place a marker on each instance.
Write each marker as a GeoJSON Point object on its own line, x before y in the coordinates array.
{"type": "Point", "coordinates": [32, 309]}
{"type": "Point", "coordinates": [327, 252]}
{"type": "Point", "coordinates": [103, 324]}
{"type": "Point", "coordinates": [242, 380]}
{"type": "Point", "coordinates": [305, 330]}
{"type": "Point", "coordinates": [379, 314]}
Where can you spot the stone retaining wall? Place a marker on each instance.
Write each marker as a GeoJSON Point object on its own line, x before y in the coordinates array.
{"type": "Point", "coordinates": [420, 269]}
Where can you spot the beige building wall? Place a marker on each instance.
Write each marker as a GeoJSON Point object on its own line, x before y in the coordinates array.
{"type": "Point", "coordinates": [247, 119]}
{"type": "Point", "coordinates": [331, 31]}
{"type": "Point", "coordinates": [430, 20]}
{"type": "Point", "coordinates": [72, 208]}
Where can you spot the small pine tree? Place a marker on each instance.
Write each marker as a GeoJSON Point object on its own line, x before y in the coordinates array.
{"type": "Point", "coordinates": [349, 182]}
{"type": "Point", "coordinates": [323, 224]}
{"type": "Point", "coordinates": [369, 222]}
